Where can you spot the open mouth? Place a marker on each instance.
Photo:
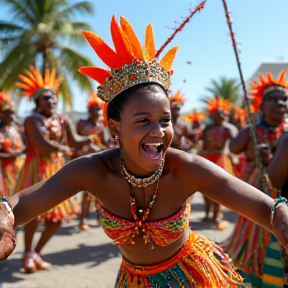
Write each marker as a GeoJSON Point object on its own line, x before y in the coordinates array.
{"type": "Point", "coordinates": [153, 150]}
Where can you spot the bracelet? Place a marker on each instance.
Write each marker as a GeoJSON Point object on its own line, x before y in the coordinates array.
{"type": "Point", "coordinates": [5, 201]}
{"type": "Point", "coordinates": [277, 201]}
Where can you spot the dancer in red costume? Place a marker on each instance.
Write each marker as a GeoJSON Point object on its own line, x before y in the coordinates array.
{"type": "Point", "coordinates": [215, 137]}
{"type": "Point", "coordinates": [183, 137]}
{"type": "Point", "coordinates": [11, 146]}
{"type": "Point", "coordinates": [94, 127]}
{"type": "Point", "coordinates": [46, 135]}
{"type": "Point", "coordinates": [250, 246]}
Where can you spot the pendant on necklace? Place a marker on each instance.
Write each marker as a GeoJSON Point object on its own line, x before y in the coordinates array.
{"type": "Point", "coordinates": [140, 212]}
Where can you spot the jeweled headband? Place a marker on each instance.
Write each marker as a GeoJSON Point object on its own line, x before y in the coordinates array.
{"type": "Point", "coordinates": [130, 64]}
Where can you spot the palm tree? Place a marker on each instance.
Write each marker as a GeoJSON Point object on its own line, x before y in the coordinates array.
{"type": "Point", "coordinates": [40, 32]}
{"type": "Point", "coordinates": [226, 88]}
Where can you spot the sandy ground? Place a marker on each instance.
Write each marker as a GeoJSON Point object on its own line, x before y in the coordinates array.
{"type": "Point", "coordinates": [87, 259]}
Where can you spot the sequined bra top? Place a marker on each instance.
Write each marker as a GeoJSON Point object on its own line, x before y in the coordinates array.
{"type": "Point", "coordinates": [162, 232]}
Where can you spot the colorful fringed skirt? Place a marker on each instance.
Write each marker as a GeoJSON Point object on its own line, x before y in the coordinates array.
{"type": "Point", "coordinates": [255, 251]}
{"type": "Point", "coordinates": [221, 160]}
{"type": "Point", "coordinates": [38, 167]}
{"type": "Point", "coordinates": [200, 263]}
{"type": "Point", "coordinates": [9, 170]}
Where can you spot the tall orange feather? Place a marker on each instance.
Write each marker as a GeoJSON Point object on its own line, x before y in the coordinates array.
{"type": "Point", "coordinates": [96, 73]}
{"type": "Point", "coordinates": [133, 39]}
{"type": "Point", "coordinates": [149, 43]}
{"type": "Point", "coordinates": [104, 52]}
{"type": "Point", "coordinates": [168, 58]}
{"type": "Point", "coordinates": [121, 42]}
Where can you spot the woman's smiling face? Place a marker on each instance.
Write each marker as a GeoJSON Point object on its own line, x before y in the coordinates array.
{"type": "Point", "coordinates": [145, 130]}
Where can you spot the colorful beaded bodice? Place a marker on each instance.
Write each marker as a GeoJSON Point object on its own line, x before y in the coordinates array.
{"type": "Point", "coordinates": [215, 138]}
{"type": "Point", "coordinates": [162, 232]}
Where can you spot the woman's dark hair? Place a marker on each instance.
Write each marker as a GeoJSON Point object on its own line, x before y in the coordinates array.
{"type": "Point", "coordinates": [115, 107]}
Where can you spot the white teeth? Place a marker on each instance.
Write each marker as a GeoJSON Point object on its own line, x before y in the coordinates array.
{"type": "Point", "coordinates": [153, 144]}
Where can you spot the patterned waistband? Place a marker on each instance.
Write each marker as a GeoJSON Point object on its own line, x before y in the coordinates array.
{"type": "Point", "coordinates": [146, 270]}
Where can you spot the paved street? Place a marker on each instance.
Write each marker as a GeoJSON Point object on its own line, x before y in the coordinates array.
{"type": "Point", "coordinates": [87, 259]}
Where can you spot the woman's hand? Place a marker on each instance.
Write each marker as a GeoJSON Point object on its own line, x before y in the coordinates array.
{"type": "Point", "coordinates": [280, 225]}
{"type": "Point", "coordinates": [7, 232]}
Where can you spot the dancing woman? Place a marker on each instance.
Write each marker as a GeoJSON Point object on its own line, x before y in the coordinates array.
{"type": "Point", "coordinates": [250, 246]}
{"type": "Point", "coordinates": [215, 137]}
{"type": "Point", "coordinates": [11, 146]}
{"type": "Point", "coordinates": [47, 136]}
{"type": "Point", "coordinates": [143, 186]}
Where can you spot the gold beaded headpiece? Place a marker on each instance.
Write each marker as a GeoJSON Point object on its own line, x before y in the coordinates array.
{"type": "Point", "coordinates": [265, 86]}
{"type": "Point", "coordinates": [130, 64]}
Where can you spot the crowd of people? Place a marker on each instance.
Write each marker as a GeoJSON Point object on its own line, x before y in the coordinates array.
{"type": "Point", "coordinates": [142, 170]}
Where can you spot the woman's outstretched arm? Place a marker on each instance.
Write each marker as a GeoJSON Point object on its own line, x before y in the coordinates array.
{"type": "Point", "coordinates": [233, 193]}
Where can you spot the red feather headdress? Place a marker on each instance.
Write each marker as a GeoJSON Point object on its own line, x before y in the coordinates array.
{"type": "Point", "coordinates": [260, 89]}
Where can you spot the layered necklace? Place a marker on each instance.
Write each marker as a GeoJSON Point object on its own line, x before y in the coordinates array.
{"type": "Point", "coordinates": [141, 182]}
{"type": "Point", "coordinates": [140, 214]}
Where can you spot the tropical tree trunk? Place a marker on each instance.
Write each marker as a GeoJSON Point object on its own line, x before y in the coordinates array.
{"type": "Point", "coordinates": [44, 56]}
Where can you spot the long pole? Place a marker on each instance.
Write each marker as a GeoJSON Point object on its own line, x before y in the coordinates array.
{"type": "Point", "coordinates": [265, 184]}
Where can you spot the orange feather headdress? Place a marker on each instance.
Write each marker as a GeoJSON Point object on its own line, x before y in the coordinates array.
{"type": "Point", "coordinates": [216, 103]}
{"type": "Point", "coordinates": [239, 113]}
{"type": "Point", "coordinates": [261, 89]}
{"type": "Point", "coordinates": [130, 64]}
{"type": "Point", "coordinates": [32, 82]}
{"type": "Point", "coordinates": [178, 98]}
{"type": "Point", "coordinates": [94, 99]}
{"type": "Point", "coordinates": [5, 102]}
{"type": "Point", "coordinates": [195, 116]}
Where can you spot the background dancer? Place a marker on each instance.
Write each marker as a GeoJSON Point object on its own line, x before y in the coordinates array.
{"type": "Point", "coordinates": [251, 246]}
{"type": "Point", "coordinates": [47, 137]}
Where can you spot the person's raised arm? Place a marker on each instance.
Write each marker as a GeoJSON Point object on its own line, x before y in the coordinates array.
{"type": "Point", "coordinates": [240, 142]}
{"type": "Point", "coordinates": [74, 139]}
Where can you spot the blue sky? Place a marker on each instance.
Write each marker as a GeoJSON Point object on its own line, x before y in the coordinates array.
{"type": "Point", "coordinates": [260, 25]}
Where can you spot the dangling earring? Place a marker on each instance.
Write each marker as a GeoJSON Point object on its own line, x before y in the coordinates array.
{"type": "Point", "coordinates": [117, 140]}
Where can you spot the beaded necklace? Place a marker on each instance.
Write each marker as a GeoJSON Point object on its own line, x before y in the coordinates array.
{"type": "Point", "coordinates": [141, 182]}
{"type": "Point", "coordinates": [140, 214]}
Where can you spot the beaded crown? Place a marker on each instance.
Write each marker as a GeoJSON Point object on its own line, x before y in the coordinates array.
{"type": "Point", "coordinates": [130, 64]}
{"type": "Point", "coordinates": [32, 81]}
{"type": "Point", "coordinates": [5, 101]}
{"type": "Point", "coordinates": [265, 86]}
{"type": "Point", "coordinates": [216, 103]}
{"type": "Point", "coordinates": [196, 115]}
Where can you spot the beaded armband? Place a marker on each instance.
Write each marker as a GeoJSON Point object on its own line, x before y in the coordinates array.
{"type": "Point", "coordinates": [4, 200]}
{"type": "Point", "coordinates": [277, 201]}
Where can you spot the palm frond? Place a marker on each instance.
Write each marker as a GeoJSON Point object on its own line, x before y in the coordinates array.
{"type": "Point", "coordinates": [71, 60]}
{"type": "Point", "coordinates": [80, 7]}
{"type": "Point", "coordinates": [10, 28]}
{"type": "Point", "coordinates": [71, 31]}
{"type": "Point", "coordinates": [8, 79]}
{"type": "Point", "coordinates": [65, 93]}
{"type": "Point", "coordinates": [20, 11]}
